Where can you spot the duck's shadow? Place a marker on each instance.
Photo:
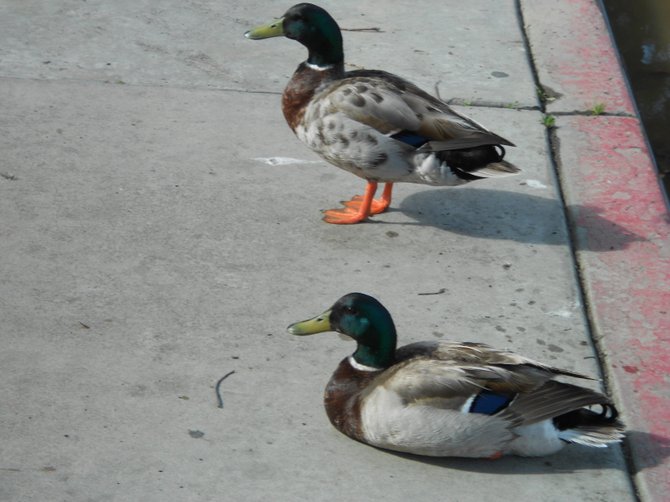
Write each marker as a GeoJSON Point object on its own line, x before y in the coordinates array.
{"type": "Point", "coordinates": [646, 449]}
{"type": "Point", "coordinates": [571, 459]}
{"type": "Point", "coordinates": [498, 214]}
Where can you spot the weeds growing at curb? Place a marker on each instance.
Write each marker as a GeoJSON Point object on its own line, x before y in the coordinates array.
{"type": "Point", "coordinates": [549, 121]}
{"type": "Point", "coordinates": [598, 109]}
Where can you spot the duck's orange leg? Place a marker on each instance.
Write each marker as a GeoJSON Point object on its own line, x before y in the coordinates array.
{"type": "Point", "coordinates": [378, 205]}
{"type": "Point", "coordinates": [354, 212]}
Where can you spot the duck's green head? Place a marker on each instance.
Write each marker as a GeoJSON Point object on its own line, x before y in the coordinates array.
{"type": "Point", "coordinates": [362, 318]}
{"type": "Point", "coordinates": [310, 25]}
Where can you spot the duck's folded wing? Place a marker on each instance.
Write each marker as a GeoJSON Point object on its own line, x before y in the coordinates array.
{"type": "Point", "coordinates": [391, 105]}
{"type": "Point", "coordinates": [478, 354]}
{"type": "Point", "coordinates": [422, 379]}
{"type": "Point", "coordinates": [428, 370]}
{"type": "Point", "coordinates": [446, 128]}
{"type": "Point", "coordinates": [374, 104]}
{"type": "Point", "coordinates": [553, 399]}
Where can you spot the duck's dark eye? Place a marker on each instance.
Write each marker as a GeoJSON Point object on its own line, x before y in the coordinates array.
{"type": "Point", "coordinates": [350, 310]}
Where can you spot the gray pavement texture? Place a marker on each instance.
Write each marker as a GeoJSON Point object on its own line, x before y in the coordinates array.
{"type": "Point", "coordinates": [150, 247]}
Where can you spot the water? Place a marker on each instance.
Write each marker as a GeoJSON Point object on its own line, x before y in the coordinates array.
{"type": "Point", "coordinates": [642, 32]}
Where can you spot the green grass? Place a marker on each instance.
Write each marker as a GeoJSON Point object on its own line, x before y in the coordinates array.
{"type": "Point", "coordinates": [598, 109]}
{"type": "Point", "coordinates": [549, 121]}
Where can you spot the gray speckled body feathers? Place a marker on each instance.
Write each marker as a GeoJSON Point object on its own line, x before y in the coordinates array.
{"type": "Point", "coordinates": [352, 118]}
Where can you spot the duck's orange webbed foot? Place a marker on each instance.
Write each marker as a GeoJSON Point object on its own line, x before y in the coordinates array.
{"type": "Point", "coordinates": [355, 210]}
{"type": "Point", "coordinates": [377, 206]}
{"type": "Point", "coordinates": [496, 456]}
{"type": "Point", "coordinates": [345, 216]}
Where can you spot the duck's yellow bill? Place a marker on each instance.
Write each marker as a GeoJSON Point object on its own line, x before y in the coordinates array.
{"type": "Point", "coordinates": [317, 324]}
{"type": "Point", "coordinates": [273, 29]}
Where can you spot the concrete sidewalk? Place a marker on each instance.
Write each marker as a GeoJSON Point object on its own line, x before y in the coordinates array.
{"type": "Point", "coordinates": [160, 227]}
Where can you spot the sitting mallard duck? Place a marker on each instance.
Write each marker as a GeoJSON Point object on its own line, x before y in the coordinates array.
{"type": "Point", "coordinates": [451, 399]}
{"type": "Point", "coordinates": [374, 124]}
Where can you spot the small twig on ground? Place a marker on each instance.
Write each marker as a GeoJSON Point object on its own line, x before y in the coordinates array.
{"type": "Point", "coordinates": [437, 90]}
{"type": "Point", "coordinates": [218, 388]}
{"type": "Point", "coordinates": [373, 29]}
{"type": "Point", "coordinates": [442, 290]}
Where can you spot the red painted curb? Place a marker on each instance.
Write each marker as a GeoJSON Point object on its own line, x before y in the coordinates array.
{"type": "Point", "coordinates": [591, 69]}
{"type": "Point", "coordinates": [621, 226]}
{"type": "Point", "coordinates": [622, 232]}
{"type": "Point", "coordinates": [574, 56]}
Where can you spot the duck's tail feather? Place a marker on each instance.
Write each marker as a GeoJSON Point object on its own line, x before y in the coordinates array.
{"type": "Point", "coordinates": [496, 170]}
{"type": "Point", "coordinates": [579, 414]}
{"type": "Point", "coordinates": [485, 161]}
{"type": "Point", "coordinates": [590, 428]}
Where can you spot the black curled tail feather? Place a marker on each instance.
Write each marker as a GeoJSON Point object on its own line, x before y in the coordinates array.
{"type": "Point", "coordinates": [471, 159]}
{"type": "Point", "coordinates": [589, 427]}
{"type": "Point", "coordinates": [466, 162]}
{"type": "Point", "coordinates": [580, 415]}
{"type": "Point", "coordinates": [608, 415]}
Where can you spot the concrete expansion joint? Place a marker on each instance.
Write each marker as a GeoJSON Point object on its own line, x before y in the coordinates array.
{"type": "Point", "coordinates": [245, 91]}
{"type": "Point", "coordinates": [93, 81]}
{"type": "Point", "coordinates": [491, 104]}
{"type": "Point", "coordinates": [590, 113]}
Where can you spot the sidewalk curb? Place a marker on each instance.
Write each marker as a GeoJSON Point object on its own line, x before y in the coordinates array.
{"type": "Point", "coordinates": [619, 223]}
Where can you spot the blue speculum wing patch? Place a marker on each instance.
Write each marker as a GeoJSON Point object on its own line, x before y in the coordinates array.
{"type": "Point", "coordinates": [490, 403]}
{"type": "Point", "coordinates": [413, 139]}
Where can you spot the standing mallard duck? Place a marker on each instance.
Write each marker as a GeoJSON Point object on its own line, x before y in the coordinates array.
{"type": "Point", "coordinates": [451, 399]}
{"type": "Point", "coordinates": [374, 124]}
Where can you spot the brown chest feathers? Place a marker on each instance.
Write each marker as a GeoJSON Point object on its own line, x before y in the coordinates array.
{"type": "Point", "coordinates": [342, 398]}
{"type": "Point", "coordinates": [302, 87]}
